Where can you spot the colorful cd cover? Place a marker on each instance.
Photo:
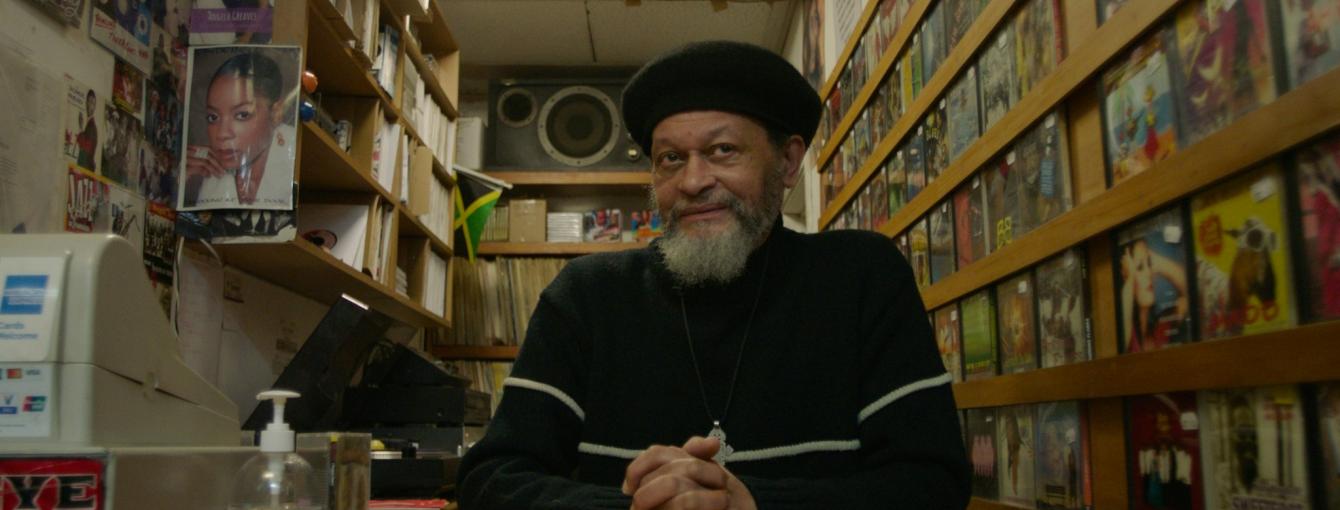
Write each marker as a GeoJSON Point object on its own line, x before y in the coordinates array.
{"type": "Point", "coordinates": [962, 119]}
{"type": "Point", "coordinates": [936, 136]}
{"type": "Point", "coordinates": [1017, 324]}
{"type": "Point", "coordinates": [1063, 312]}
{"type": "Point", "coordinates": [1039, 44]}
{"type": "Point", "coordinates": [1225, 67]}
{"type": "Point", "coordinates": [915, 163]}
{"type": "Point", "coordinates": [933, 41]}
{"type": "Point", "coordinates": [1244, 277]}
{"type": "Point", "coordinates": [1062, 457]}
{"type": "Point", "coordinates": [1163, 442]}
{"type": "Point", "coordinates": [1253, 448]}
{"type": "Point", "coordinates": [959, 18]}
{"type": "Point", "coordinates": [970, 221]}
{"type": "Point", "coordinates": [942, 241]}
{"type": "Point", "coordinates": [919, 240]}
{"type": "Point", "coordinates": [1153, 293]}
{"type": "Point", "coordinates": [1004, 201]}
{"type": "Point", "coordinates": [1045, 172]}
{"type": "Point", "coordinates": [982, 452]}
{"type": "Point", "coordinates": [1138, 110]}
{"type": "Point", "coordinates": [1015, 449]}
{"type": "Point", "coordinates": [1311, 38]}
{"type": "Point", "coordinates": [999, 83]}
{"type": "Point", "coordinates": [1318, 167]}
{"type": "Point", "coordinates": [947, 338]}
{"type": "Point", "coordinates": [978, 315]}
{"type": "Point", "coordinates": [1327, 400]}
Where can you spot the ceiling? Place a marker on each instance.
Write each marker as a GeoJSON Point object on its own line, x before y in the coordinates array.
{"type": "Point", "coordinates": [597, 38]}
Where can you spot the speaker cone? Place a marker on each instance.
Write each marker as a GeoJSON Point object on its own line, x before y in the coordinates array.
{"type": "Point", "coordinates": [579, 125]}
{"type": "Point", "coordinates": [516, 107]}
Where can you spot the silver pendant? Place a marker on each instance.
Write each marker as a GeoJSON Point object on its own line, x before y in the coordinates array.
{"type": "Point", "coordinates": [720, 435]}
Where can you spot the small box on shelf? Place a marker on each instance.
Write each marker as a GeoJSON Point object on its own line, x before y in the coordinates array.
{"type": "Point", "coordinates": [527, 221]}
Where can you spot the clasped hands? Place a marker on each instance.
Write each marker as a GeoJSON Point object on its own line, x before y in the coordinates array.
{"type": "Point", "coordinates": [684, 477]}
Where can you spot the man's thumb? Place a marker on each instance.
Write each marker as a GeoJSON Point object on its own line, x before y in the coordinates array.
{"type": "Point", "coordinates": [702, 447]}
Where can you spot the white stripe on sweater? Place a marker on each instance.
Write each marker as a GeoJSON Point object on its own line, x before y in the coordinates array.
{"type": "Point", "coordinates": [518, 382]}
{"type": "Point", "coordinates": [740, 456]}
{"type": "Point", "coordinates": [894, 395]}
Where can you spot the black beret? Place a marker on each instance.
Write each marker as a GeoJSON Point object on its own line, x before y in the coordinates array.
{"type": "Point", "coordinates": [725, 76]}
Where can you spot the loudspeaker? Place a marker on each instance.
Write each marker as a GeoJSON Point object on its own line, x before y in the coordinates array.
{"type": "Point", "coordinates": [559, 125]}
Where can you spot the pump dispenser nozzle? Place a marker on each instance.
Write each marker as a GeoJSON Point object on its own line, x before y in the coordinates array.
{"type": "Point", "coordinates": [277, 436]}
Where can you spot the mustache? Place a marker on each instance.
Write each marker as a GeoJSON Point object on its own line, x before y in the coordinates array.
{"type": "Point", "coordinates": [720, 198]}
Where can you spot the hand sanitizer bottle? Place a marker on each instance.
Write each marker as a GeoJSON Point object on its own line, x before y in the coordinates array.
{"type": "Point", "coordinates": [276, 478]}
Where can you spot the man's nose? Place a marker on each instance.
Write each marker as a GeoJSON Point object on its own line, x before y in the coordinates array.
{"type": "Point", "coordinates": [697, 176]}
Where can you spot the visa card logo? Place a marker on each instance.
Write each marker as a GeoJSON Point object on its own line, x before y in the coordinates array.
{"type": "Point", "coordinates": [24, 294]}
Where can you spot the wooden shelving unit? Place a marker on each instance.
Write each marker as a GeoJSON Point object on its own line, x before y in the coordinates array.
{"type": "Point", "coordinates": [476, 353]}
{"type": "Point", "coordinates": [549, 249]}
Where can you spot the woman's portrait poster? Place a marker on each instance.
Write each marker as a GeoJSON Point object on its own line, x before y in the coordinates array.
{"type": "Point", "coordinates": [241, 128]}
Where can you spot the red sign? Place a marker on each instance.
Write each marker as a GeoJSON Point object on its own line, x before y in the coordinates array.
{"type": "Point", "coordinates": [51, 484]}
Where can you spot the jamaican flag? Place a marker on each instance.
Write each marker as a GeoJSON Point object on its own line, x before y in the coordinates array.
{"type": "Point", "coordinates": [475, 196]}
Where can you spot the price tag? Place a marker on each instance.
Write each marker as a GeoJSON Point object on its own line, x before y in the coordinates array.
{"type": "Point", "coordinates": [1172, 234]}
{"type": "Point", "coordinates": [1009, 158]}
{"type": "Point", "coordinates": [1263, 189]}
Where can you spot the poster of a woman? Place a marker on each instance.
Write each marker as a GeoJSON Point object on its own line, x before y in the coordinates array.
{"type": "Point", "coordinates": [241, 128]}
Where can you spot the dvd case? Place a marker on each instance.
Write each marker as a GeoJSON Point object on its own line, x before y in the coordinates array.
{"type": "Point", "coordinates": [934, 131]}
{"type": "Point", "coordinates": [1163, 442]}
{"type": "Point", "coordinates": [1039, 43]}
{"type": "Point", "coordinates": [915, 163]}
{"type": "Point", "coordinates": [999, 82]}
{"type": "Point", "coordinates": [1044, 173]}
{"type": "Point", "coordinates": [1062, 457]}
{"type": "Point", "coordinates": [959, 18]}
{"type": "Point", "coordinates": [982, 452]}
{"type": "Point", "coordinates": [942, 241]}
{"type": "Point", "coordinates": [1318, 177]}
{"type": "Point", "coordinates": [978, 316]}
{"type": "Point", "coordinates": [1153, 293]}
{"type": "Point", "coordinates": [919, 240]}
{"type": "Point", "coordinates": [1016, 451]}
{"type": "Point", "coordinates": [1224, 66]}
{"type": "Point", "coordinates": [893, 90]}
{"type": "Point", "coordinates": [901, 242]}
{"type": "Point", "coordinates": [1327, 402]}
{"type": "Point", "coordinates": [1017, 321]}
{"type": "Point", "coordinates": [1063, 312]}
{"type": "Point", "coordinates": [963, 119]}
{"type": "Point", "coordinates": [1138, 120]}
{"type": "Point", "coordinates": [913, 65]}
{"type": "Point", "coordinates": [970, 221]}
{"type": "Point", "coordinates": [933, 41]}
{"type": "Point", "coordinates": [1311, 38]}
{"type": "Point", "coordinates": [1253, 448]}
{"type": "Point", "coordinates": [879, 197]}
{"type": "Point", "coordinates": [897, 182]}
{"type": "Point", "coordinates": [947, 338]}
{"type": "Point", "coordinates": [1244, 277]}
{"type": "Point", "coordinates": [1004, 201]}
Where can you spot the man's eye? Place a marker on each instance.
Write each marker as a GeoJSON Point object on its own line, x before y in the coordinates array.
{"type": "Point", "coordinates": [667, 158]}
{"type": "Point", "coordinates": [723, 149]}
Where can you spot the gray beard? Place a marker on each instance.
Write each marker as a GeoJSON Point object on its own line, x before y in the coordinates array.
{"type": "Point", "coordinates": [720, 259]}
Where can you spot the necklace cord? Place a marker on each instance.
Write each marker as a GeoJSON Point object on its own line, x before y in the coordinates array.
{"type": "Point", "coordinates": [739, 358]}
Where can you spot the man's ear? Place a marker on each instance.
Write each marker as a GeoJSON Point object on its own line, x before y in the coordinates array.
{"type": "Point", "coordinates": [793, 152]}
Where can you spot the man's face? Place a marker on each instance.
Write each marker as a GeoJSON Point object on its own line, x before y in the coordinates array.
{"type": "Point", "coordinates": [710, 169]}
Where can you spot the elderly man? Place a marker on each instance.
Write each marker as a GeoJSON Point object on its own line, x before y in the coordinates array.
{"type": "Point", "coordinates": [792, 371]}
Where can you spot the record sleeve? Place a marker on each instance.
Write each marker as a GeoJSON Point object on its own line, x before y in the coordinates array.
{"type": "Point", "coordinates": [1253, 449]}
{"type": "Point", "coordinates": [1017, 324]}
{"type": "Point", "coordinates": [1243, 272]}
{"type": "Point", "coordinates": [1045, 172]}
{"type": "Point", "coordinates": [942, 241]}
{"type": "Point", "coordinates": [982, 452]}
{"type": "Point", "coordinates": [1016, 451]}
{"type": "Point", "coordinates": [962, 118]}
{"type": "Point", "coordinates": [1318, 167]}
{"type": "Point", "coordinates": [1225, 66]}
{"type": "Point", "coordinates": [1063, 311]}
{"type": "Point", "coordinates": [1062, 458]}
{"type": "Point", "coordinates": [1327, 400]}
{"type": "Point", "coordinates": [915, 163]}
{"type": "Point", "coordinates": [933, 41]}
{"type": "Point", "coordinates": [937, 139]}
{"type": "Point", "coordinates": [978, 315]}
{"type": "Point", "coordinates": [959, 18]}
{"type": "Point", "coordinates": [1153, 293]}
{"type": "Point", "coordinates": [1163, 442]}
{"type": "Point", "coordinates": [1039, 43]}
{"type": "Point", "coordinates": [947, 338]}
{"type": "Point", "coordinates": [1004, 201]}
{"type": "Point", "coordinates": [1311, 38]}
{"type": "Point", "coordinates": [919, 240]}
{"type": "Point", "coordinates": [970, 221]}
{"type": "Point", "coordinates": [897, 181]}
{"type": "Point", "coordinates": [999, 81]}
{"type": "Point", "coordinates": [1138, 110]}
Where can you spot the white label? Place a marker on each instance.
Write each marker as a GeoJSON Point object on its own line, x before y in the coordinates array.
{"type": "Point", "coordinates": [972, 73]}
{"type": "Point", "coordinates": [1023, 287]}
{"type": "Point", "coordinates": [26, 400]}
{"type": "Point", "coordinates": [1263, 189]}
{"type": "Point", "coordinates": [30, 297]}
{"type": "Point", "coordinates": [1000, 40]}
{"type": "Point", "coordinates": [919, 130]}
{"type": "Point", "coordinates": [1051, 121]}
{"type": "Point", "coordinates": [1009, 158]}
{"type": "Point", "coordinates": [942, 103]}
{"type": "Point", "coordinates": [944, 208]}
{"type": "Point", "coordinates": [1172, 234]}
{"type": "Point", "coordinates": [953, 315]}
{"type": "Point", "coordinates": [1190, 421]}
{"type": "Point", "coordinates": [976, 181]}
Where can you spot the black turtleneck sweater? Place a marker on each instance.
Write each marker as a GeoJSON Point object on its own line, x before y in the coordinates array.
{"type": "Point", "coordinates": [841, 401]}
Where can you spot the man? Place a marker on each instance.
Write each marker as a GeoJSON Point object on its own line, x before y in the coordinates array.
{"type": "Point", "coordinates": [811, 356]}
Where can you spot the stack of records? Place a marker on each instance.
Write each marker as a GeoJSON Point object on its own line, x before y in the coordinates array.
{"type": "Point", "coordinates": [564, 227]}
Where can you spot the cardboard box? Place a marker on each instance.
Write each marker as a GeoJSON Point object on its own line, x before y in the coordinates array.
{"type": "Point", "coordinates": [527, 219]}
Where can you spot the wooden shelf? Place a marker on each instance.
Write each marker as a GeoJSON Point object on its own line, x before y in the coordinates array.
{"type": "Point", "coordinates": [307, 270]}
{"type": "Point", "coordinates": [1075, 70]}
{"type": "Point", "coordinates": [1295, 355]}
{"type": "Point", "coordinates": [554, 248]}
{"type": "Point", "coordinates": [326, 11]}
{"type": "Point", "coordinates": [429, 79]}
{"type": "Point", "coordinates": [566, 177]}
{"type": "Point", "coordinates": [435, 34]}
{"type": "Point", "coordinates": [1291, 119]}
{"type": "Point", "coordinates": [866, 17]}
{"type": "Point", "coordinates": [475, 352]}
{"type": "Point", "coordinates": [326, 167]}
{"type": "Point", "coordinates": [337, 68]}
{"type": "Point", "coordinates": [412, 227]}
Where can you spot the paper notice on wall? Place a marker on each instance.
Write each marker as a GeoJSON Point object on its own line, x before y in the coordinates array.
{"type": "Point", "coordinates": [845, 15]}
{"type": "Point", "coordinates": [200, 313]}
{"type": "Point", "coordinates": [31, 171]}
